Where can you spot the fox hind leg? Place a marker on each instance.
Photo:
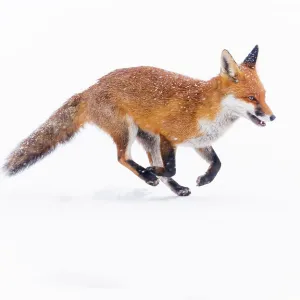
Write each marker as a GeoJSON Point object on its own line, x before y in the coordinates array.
{"type": "Point", "coordinates": [151, 144]}
{"type": "Point", "coordinates": [124, 139]}
{"type": "Point", "coordinates": [167, 153]}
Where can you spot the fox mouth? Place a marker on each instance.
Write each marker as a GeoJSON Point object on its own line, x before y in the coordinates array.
{"type": "Point", "coordinates": [256, 120]}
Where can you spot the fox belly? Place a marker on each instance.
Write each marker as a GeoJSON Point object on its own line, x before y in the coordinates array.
{"type": "Point", "coordinates": [211, 130]}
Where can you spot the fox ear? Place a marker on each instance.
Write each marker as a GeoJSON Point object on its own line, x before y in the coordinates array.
{"type": "Point", "coordinates": [250, 60]}
{"type": "Point", "coordinates": [228, 66]}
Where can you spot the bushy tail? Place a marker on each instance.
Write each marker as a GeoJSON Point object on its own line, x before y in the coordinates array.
{"type": "Point", "coordinates": [59, 128]}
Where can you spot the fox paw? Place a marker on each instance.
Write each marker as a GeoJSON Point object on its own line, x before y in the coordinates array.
{"type": "Point", "coordinates": [180, 190]}
{"type": "Point", "coordinates": [154, 182]}
{"type": "Point", "coordinates": [150, 178]}
{"type": "Point", "coordinates": [203, 180]}
{"type": "Point", "coordinates": [183, 191]}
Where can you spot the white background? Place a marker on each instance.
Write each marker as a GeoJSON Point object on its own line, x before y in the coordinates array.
{"type": "Point", "coordinates": [78, 225]}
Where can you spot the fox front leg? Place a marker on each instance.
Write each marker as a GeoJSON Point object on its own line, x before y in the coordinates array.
{"type": "Point", "coordinates": [211, 157]}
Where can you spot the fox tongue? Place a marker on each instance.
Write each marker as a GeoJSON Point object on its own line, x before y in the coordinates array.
{"type": "Point", "coordinates": [256, 120]}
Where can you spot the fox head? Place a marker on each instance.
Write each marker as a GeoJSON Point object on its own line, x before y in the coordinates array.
{"type": "Point", "coordinates": [243, 90]}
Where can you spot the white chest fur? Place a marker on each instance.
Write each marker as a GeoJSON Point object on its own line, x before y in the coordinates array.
{"type": "Point", "coordinates": [211, 130]}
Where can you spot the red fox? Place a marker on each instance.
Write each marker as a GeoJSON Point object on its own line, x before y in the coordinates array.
{"type": "Point", "coordinates": [162, 110]}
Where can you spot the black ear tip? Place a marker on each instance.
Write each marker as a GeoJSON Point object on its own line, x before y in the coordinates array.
{"type": "Point", "coordinates": [255, 50]}
{"type": "Point", "coordinates": [250, 60]}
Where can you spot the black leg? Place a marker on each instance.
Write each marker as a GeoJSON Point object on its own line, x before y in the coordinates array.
{"type": "Point", "coordinates": [211, 157]}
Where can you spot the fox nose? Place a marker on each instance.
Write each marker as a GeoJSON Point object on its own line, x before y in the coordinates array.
{"type": "Point", "coordinates": [272, 118]}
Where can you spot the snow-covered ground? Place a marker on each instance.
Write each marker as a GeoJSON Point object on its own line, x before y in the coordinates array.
{"type": "Point", "coordinates": [78, 225]}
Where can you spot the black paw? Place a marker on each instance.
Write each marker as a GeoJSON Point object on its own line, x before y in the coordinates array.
{"type": "Point", "coordinates": [203, 180]}
{"type": "Point", "coordinates": [150, 178]}
{"type": "Point", "coordinates": [182, 191]}
{"type": "Point", "coordinates": [153, 182]}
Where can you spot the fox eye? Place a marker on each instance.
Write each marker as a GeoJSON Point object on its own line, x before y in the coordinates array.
{"type": "Point", "coordinates": [252, 98]}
